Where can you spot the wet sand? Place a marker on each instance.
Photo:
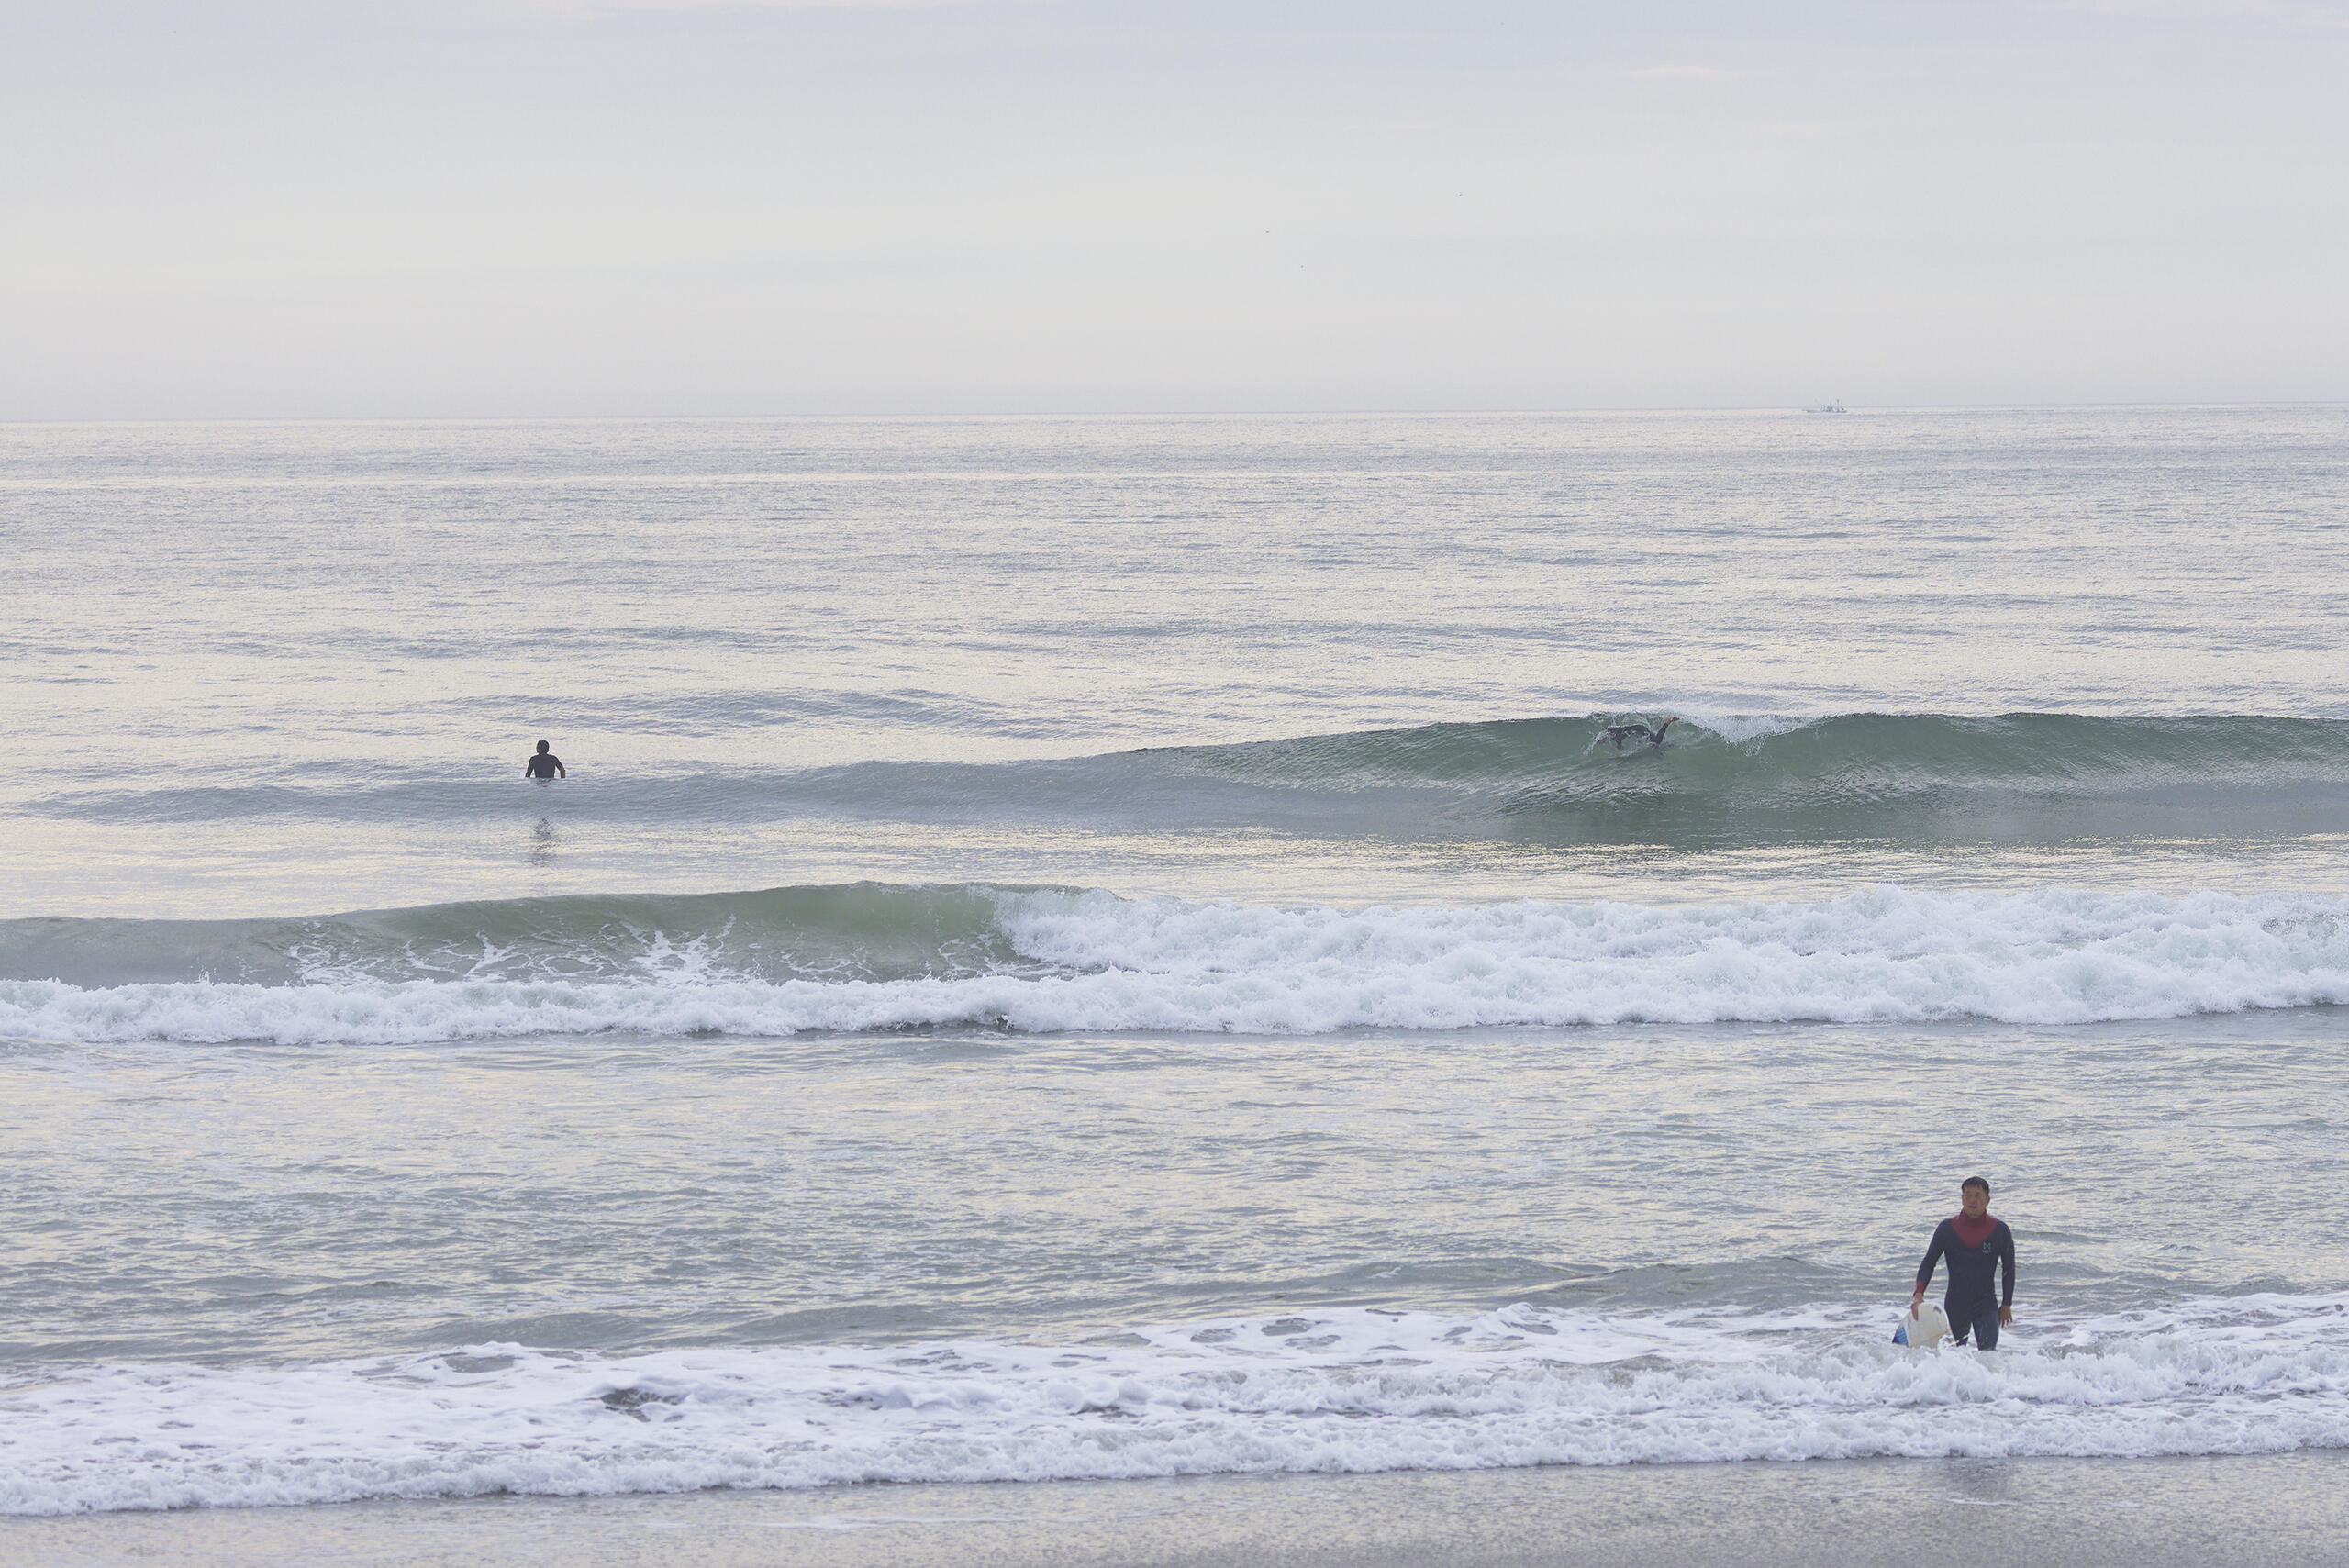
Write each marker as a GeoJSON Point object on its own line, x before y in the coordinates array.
{"type": "Point", "coordinates": [2273, 1511]}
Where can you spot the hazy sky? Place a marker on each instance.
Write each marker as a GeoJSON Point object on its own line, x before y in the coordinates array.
{"type": "Point", "coordinates": [572, 206]}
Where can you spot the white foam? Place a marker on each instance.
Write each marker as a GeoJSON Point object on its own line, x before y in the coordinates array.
{"type": "Point", "coordinates": [1342, 1390]}
{"type": "Point", "coordinates": [1886, 954]}
{"type": "Point", "coordinates": [1744, 729]}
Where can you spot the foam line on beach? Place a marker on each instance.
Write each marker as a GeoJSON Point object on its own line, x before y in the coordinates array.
{"type": "Point", "coordinates": [1341, 1390]}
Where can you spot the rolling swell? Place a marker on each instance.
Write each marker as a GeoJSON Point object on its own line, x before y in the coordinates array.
{"type": "Point", "coordinates": [1722, 781]}
{"type": "Point", "coordinates": [1850, 775]}
{"type": "Point", "coordinates": [871, 957]}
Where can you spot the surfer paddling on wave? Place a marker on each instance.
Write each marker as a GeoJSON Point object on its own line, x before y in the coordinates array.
{"type": "Point", "coordinates": [545, 765]}
{"type": "Point", "coordinates": [1976, 1242]}
{"type": "Point", "coordinates": [1618, 733]}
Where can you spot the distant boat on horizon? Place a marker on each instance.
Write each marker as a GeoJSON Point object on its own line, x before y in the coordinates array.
{"type": "Point", "coordinates": [1827, 408]}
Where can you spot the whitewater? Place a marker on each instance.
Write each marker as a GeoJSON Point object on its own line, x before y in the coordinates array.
{"type": "Point", "coordinates": [1089, 948]}
{"type": "Point", "coordinates": [1094, 961]}
{"type": "Point", "coordinates": [1347, 1391]}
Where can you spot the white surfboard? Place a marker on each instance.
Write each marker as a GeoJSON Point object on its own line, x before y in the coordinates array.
{"type": "Point", "coordinates": [1923, 1328]}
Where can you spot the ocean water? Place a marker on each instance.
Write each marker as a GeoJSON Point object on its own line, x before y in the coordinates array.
{"type": "Point", "coordinates": [1084, 948]}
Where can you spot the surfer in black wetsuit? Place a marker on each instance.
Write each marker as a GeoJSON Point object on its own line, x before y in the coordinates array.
{"type": "Point", "coordinates": [545, 765]}
{"type": "Point", "coordinates": [1618, 733]}
{"type": "Point", "coordinates": [1975, 1243]}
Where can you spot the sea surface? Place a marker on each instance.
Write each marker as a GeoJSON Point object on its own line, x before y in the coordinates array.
{"type": "Point", "coordinates": [1122, 947]}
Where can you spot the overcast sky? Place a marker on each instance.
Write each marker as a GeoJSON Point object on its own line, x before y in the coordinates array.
{"type": "Point", "coordinates": [587, 206]}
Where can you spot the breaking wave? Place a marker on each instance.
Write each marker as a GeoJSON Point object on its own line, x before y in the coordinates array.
{"type": "Point", "coordinates": [879, 957]}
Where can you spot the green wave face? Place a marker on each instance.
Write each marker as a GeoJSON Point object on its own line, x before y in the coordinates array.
{"type": "Point", "coordinates": [867, 931]}
{"type": "Point", "coordinates": [1849, 756]}
{"type": "Point", "coordinates": [1853, 776]}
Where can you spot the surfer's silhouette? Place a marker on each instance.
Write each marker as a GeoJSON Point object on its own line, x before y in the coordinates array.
{"type": "Point", "coordinates": [1620, 733]}
{"type": "Point", "coordinates": [545, 765]}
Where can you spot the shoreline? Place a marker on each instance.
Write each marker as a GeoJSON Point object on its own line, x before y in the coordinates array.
{"type": "Point", "coordinates": [2259, 1511]}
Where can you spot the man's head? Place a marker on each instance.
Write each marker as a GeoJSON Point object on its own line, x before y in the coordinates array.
{"type": "Point", "coordinates": [542, 748]}
{"type": "Point", "coordinates": [1975, 1195]}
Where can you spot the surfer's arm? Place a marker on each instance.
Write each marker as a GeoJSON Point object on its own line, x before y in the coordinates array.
{"type": "Point", "coordinates": [1932, 1256]}
{"type": "Point", "coordinates": [2006, 1275]}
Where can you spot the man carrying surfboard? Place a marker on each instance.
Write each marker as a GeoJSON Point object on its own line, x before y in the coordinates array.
{"type": "Point", "coordinates": [1975, 1243]}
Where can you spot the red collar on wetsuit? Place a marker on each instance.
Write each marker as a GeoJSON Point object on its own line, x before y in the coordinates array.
{"type": "Point", "coordinates": [1973, 1232]}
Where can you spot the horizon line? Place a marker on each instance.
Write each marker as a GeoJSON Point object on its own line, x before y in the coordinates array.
{"type": "Point", "coordinates": [944, 415]}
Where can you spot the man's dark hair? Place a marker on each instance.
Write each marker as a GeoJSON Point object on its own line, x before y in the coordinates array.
{"type": "Point", "coordinates": [1975, 1182]}
{"type": "Point", "coordinates": [542, 746]}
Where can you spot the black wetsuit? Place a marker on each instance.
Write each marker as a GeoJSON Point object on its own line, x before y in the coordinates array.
{"type": "Point", "coordinates": [545, 765]}
{"type": "Point", "coordinates": [1971, 1303]}
{"type": "Point", "coordinates": [1618, 733]}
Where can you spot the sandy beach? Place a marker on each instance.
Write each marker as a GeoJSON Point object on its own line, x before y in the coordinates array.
{"type": "Point", "coordinates": [2269, 1510]}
